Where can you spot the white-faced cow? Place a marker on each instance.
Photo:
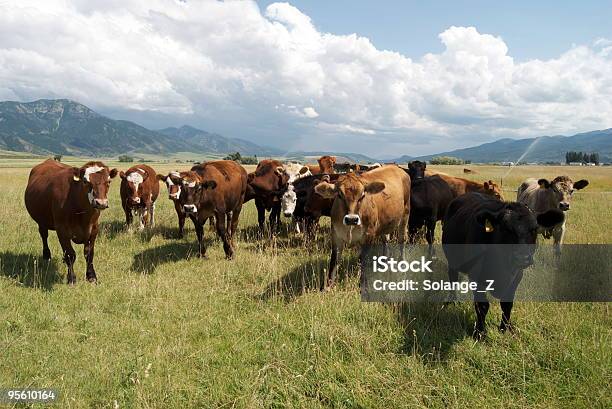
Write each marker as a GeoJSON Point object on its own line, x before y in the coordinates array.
{"type": "Point", "coordinates": [366, 207]}
{"type": "Point", "coordinates": [174, 184]}
{"type": "Point", "coordinates": [542, 195]}
{"type": "Point", "coordinates": [139, 190]}
{"type": "Point", "coordinates": [69, 200]}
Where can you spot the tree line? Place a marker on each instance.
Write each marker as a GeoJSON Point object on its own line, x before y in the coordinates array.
{"type": "Point", "coordinates": [582, 157]}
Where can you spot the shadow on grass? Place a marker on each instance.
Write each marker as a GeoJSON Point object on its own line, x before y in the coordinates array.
{"type": "Point", "coordinates": [112, 229]}
{"type": "Point", "coordinates": [431, 329]}
{"type": "Point", "coordinates": [307, 277]}
{"type": "Point", "coordinates": [30, 271]}
{"type": "Point", "coordinates": [147, 261]}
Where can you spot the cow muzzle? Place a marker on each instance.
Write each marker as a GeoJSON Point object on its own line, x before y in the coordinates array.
{"type": "Point", "coordinates": [288, 214]}
{"type": "Point", "coordinates": [173, 196]}
{"type": "Point", "coordinates": [351, 220]}
{"type": "Point", "coordinates": [100, 203]}
{"type": "Point", "coordinates": [189, 208]}
{"type": "Point", "coordinates": [564, 206]}
{"type": "Point", "coordinates": [135, 200]}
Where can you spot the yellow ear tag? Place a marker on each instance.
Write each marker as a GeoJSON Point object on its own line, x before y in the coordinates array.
{"type": "Point", "coordinates": [488, 226]}
{"type": "Point", "coordinates": [76, 178]}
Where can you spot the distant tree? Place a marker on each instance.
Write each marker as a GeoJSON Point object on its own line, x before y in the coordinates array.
{"type": "Point", "coordinates": [237, 157]}
{"type": "Point", "coordinates": [446, 160]}
{"type": "Point", "coordinates": [125, 158]}
{"type": "Point", "coordinates": [57, 158]}
{"type": "Point", "coordinates": [245, 160]}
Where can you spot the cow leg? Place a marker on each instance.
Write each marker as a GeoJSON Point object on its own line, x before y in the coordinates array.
{"type": "Point", "coordinates": [44, 235]}
{"type": "Point", "coordinates": [336, 256]}
{"type": "Point", "coordinates": [88, 252]}
{"type": "Point", "coordinates": [558, 233]}
{"type": "Point", "coordinates": [181, 218]}
{"type": "Point", "coordinates": [234, 222]}
{"type": "Point", "coordinates": [128, 215]}
{"type": "Point", "coordinates": [199, 228]}
{"type": "Point", "coordinates": [142, 214]}
{"type": "Point", "coordinates": [482, 307]}
{"type": "Point", "coordinates": [363, 283]}
{"type": "Point", "coordinates": [275, 218]}
{"type": "Point", "coordinates": [152, 214]}
{"type": "Point", "coordinates": [261, 215]}
{"type": "Point", "coordinates": [453, 277]}
{"type": "Point", "coordinates": [223, 235]}
{"type": "Point", "coordinates": [505, 321]}
{"type": "Point", "coordinates": [69, 257]}
{"type": "Point", "coordinates": [429, 235]}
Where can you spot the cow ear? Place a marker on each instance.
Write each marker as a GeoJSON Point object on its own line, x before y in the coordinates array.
{"type": "Point", "coordinates": [486, 185]}
{"type": "Point", "coordinates": [113, 173]}
{"type": "Point", "coordinates": [488, 220]}
{"type": "Point", "coordinates": [550, 218]}
{"type": "Point", "coordinates": [250, 177]}
{"type": "Point", "coordinates": [544, 183]}
{"type": "Point", "coordinates": [77, 174]}
{"type": "Point", "coordinates": [326, 190]}
{"type": "Point", "coordinates": [209, 184]}
{"type": "Point", "coordinates": [374, 187]}
{"type": "Point", "coordinates": [122, 175]}
{"type": "Point", "coordinates": [161, 178]}
{"type": "Point", "coordinates": [279, 170]}
{"type": "Point", "coordinates": [581, 184]}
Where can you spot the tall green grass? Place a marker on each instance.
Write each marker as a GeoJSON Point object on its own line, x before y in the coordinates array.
{"type": "Point", "coordinates": [164, 329]}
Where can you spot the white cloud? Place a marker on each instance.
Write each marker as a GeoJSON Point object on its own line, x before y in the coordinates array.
{"type": "Point", "coordinates": [230, 61]}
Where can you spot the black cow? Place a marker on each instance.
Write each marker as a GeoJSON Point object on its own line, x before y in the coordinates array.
{"type": "Point", "coordinates": [429, 198]}
{"type": "Point", "coordinates": [474, 220]}
{"type": "Point", "coordinates": [416, 169]}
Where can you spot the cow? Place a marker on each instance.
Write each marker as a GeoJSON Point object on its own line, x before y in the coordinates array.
{"type": "Point", "coordinates": [366, 168]}
{"type": "Point", "coordinates": [295, 171]}
{"type": "Point", "coordinates": [266, 186]}
{"type": "Point", "coordinates": [469, 171]}
{"type": "Point", "coordinates": [345, 167]}
{"type": "Point", "coordinates": [418, 169]}
{"type": "Point", "coordinates": [218, 189]}
{"type": "Point", "coordinates": [429, 198]}
{"type": "Point", "coordinates": [139, 190]}
{"type": "Point", "coordinates": [325, 165]}
{"type": "Point", "coordinates": [302, 203]}
{"type": "Point", "coordinates": [542, 195]}
{"type": "Point", "coordinates": [476, 233]}
{"type": "Point", "coordinates": [366, 207]}
{"type": "Point", "coordinates": [174, 183]}
{"type": "Point", "coordinates": [69, 200]}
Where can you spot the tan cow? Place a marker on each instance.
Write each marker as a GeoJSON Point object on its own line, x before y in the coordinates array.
{"type": "Point", "coordinates": [366, 207]}
{"type": "Point", "coordinates": [69, 200]}
{"type": "Point", "coordinates": [542, 195]}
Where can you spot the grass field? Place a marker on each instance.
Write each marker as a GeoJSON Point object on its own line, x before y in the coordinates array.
{"type": "Point", "coordinates": [164, 329]}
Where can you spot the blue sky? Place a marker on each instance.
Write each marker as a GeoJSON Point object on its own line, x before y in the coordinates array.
{"type": "Point", "coordinates": [531, 29]}
{"type": "Point", "coordinates": [384, 78]}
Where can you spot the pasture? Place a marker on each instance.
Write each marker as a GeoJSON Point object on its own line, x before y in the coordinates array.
{"type": "Point", "coordinates": [164, 329]}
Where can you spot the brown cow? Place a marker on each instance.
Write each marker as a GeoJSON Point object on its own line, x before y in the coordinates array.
{"type": "Point", "coordinates": [266, 186]}
{"type": "Point", "coordinates": [215, 188]}
{"type": "Point", "coordinates": [366, 207]}
{"type": "Point", "coordinates": [139, 190]}
{"type": "Point", "coordinates": [69, 200]}
{"type": "Point", "coordinates": [325, 165]}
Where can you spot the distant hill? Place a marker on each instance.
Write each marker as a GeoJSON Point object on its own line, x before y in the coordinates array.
{"type": "Point", "coordinates": [67, 127]}
{"type": "Point", "coordinates": [203, 141]}
{"type": "Point", "coordinates": [543, 149]}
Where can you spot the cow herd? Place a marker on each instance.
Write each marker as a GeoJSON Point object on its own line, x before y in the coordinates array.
{"type": "Point", "coordinates": [366, 204]}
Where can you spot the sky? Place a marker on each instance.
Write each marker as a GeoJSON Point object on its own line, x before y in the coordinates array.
{"type": "Point", "coordinates": [385, 78]}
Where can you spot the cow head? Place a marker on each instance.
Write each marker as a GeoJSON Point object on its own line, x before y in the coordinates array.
{"type": "Point", "coordinates": [416, 169]}
{"type": "Point", "coordinates": [133, 180]}
{"type": "Point", "coordinates": [491, 189]}
{"type": "Point", "coordinates": [289, 201]}
{"type": "Point", "coordinates": [293, 171]}
{"type": "Point", "coordinates": [515, 224]}
{"type": "Point", "coordinates": [326, 164]}
{"type": "Point", "coordinates": [174, 182]}
{"type": "Point", "coordinates": [559, 191]}
{"type": "Point", "coordinates": [349, 191]}
{"type": "Point", "coordinates": [95, 178]}
{"type": "Point", "coordinates": [194, 190]}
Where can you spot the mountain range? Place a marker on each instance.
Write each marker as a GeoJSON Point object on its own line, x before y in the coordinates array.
{"type": "Point", "coordinates": [62, 126]}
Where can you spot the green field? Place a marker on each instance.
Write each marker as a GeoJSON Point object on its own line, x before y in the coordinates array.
{"type": "Point", "coordinates": [164, 329]}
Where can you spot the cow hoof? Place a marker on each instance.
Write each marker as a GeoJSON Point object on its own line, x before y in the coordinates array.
{"type": "Point", "coordinates": [202, 256]}
{"type": "Point", "coordinates": [92, 280]}
{"type": "Point", "coordinates": [479, 335]}
{"type": "Point", "coordinates": [229, 256]}
{"type": "Point", "coordinates": [71, 283]}
{"type": "Point", "coordinates": [503, 327]}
